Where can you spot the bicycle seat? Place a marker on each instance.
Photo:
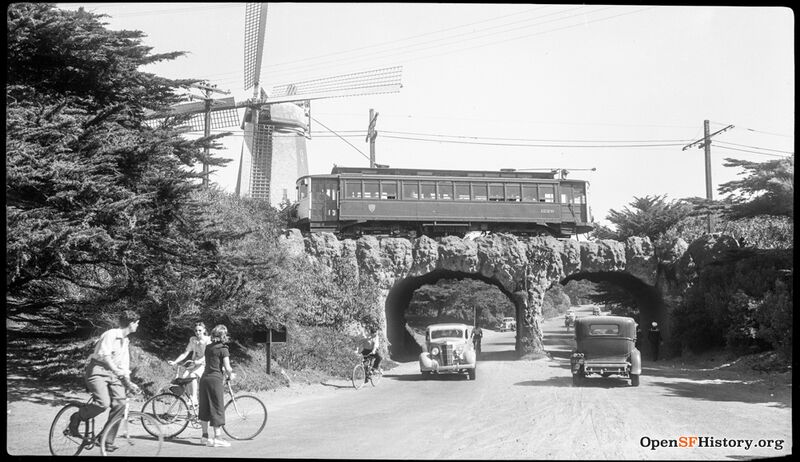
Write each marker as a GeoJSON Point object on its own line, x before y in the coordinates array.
{"type": "Point", "coordinates": [183, 381]}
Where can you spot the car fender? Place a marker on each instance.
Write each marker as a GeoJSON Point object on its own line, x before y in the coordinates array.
{"type": "Point", "coordinates": [425, 361]}
{"type": "Point", "coordinates": [636, 362]}
{"type": "Point", "coordinates": [469, 356]}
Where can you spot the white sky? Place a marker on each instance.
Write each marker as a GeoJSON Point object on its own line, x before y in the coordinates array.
{"type": "Point", "coordinates": [583, 82]}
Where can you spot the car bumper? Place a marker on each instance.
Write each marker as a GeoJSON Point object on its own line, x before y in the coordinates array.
{"type": "Point", "coordinates": [429, 364]}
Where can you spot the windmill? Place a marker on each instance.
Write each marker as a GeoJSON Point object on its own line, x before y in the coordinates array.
{"type": "Point", "coordinates": [276, 125]}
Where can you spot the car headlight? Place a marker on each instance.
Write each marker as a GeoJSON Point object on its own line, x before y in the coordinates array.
{"type": "Point", "coordinates": [460, 350]}
{"type": "Point", "coordinates": [435, 351]}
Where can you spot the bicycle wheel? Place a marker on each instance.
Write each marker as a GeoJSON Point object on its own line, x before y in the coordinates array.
{"type": "Point", "coordinates": [245, 417]}
{"type": "Point", "coordinates": [130, 437]}
{"type": "Point", "coordinates": [375, 377]}
{"type": "Point", "coordinates": [358, 376]}
{"type": "Point", "coordinates": [61, 442]}
{"type": "Point", "coordinates": [171, 411]}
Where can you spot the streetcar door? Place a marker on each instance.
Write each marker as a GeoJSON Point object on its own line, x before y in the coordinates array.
{"type": "Point", "coordinates": [568, 212]}
{"type": "Point", "coordinates": [324, 199]}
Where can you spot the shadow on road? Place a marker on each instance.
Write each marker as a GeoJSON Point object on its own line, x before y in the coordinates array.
{"type": "Point", "coordinates": [716, 390]}
{"type": "Point", "coordinates": [335, 385]}
{"type": "Point", "coordinates": [505, 355]}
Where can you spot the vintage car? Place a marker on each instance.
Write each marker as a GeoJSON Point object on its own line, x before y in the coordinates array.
{"type": "Point", "coordinates": [508, 323]}
{"type": "Point", "coordinates": [605, 347]}
{"type": "Point", "coordinates": [448, 349]}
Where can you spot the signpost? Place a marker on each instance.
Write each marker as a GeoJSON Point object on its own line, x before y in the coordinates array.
{"type": "Point", "coordinates": [269, 337]}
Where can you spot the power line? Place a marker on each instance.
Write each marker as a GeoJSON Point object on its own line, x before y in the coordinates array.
{"type": "Point", "coordinates": [758, 131]}
{"type": "Point", "coordinates": [342, 138]}
{"type": "Point", "coordinates": [371, 55]}
{"type": "Point", "coordinates": [407, 49]}
{"type": "Point", "coordinates": [535, 140]}
{"type": "Point", "coordinates": [752, 147]}
{"type": "Point", "coordinates": [535, 145]}
{"type": "Point", "coordinates": [454, 40]}
{"type": "Point", "coordinates": [752, 152]}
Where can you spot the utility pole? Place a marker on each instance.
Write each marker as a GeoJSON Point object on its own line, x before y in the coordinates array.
{"type": "Point", "coordinates": [207, 91]}
{"type": "Point", "coordinates": [371, 135]}
{"type": "Point", "coordinates": [705, 142]}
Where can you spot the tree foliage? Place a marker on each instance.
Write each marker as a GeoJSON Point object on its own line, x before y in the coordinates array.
{"type": "Point", "coordinates": [97, 201]}
{"type": "Point", "coordinates": [455, 300]}
{"type": "Point", "coordinates": [649, 216]}
{"type": "Point", "coordinates": [766, 189]}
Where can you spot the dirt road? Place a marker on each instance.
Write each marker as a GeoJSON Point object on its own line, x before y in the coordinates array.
{"type": "Point", "coordinates": [513, 410]}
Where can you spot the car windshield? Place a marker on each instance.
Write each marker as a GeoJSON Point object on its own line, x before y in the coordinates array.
{"type": "Point", "coordinates": [446, 333]}
{"type": "Point", "coordinates": [603, 329]}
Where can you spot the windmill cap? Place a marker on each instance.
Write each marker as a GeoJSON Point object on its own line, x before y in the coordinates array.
{"type": "Point", "coordinates": [655, 324]}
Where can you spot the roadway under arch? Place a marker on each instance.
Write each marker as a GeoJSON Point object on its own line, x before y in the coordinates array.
{"type": "Point", "coordinates": [403, 345]}
{"type": "Point", "coordinates": [648, 298]}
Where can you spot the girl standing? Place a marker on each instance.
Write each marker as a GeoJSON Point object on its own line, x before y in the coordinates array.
{"type": "Point", "coordinates": [212, 387]}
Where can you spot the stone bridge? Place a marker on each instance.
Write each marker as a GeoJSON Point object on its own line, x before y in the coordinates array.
{"type": "Point", "coordinates": [522, 268]}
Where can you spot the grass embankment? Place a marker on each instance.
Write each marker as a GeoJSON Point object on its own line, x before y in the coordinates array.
{"type": "Point", "coordinates": [311, 355]}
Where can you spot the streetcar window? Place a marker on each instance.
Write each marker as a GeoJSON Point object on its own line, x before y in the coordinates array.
{"type": "Point", "coordinates": [388, 190]}
{"type": "Point", "coordinates": [529, 193]}
{"type": "Point", "coordinates": [496, 192]}
{"type": "Point", "coordinates": [547, 193]}
{"type": "Point", "coordinates": [371, 189]}
{"type": "Point", "coordinates": [427, 190]}
{"type": "Point", "coordinates": [462, 191]}
{"type": "Point", "coordinates": [331, 193]}
{"type": "Point", "coordinates": [445, 190]}
{"type": "Point", "coordinates": [410, 190]}
{"type": "Point", "coordinates": [512, 192]}
{"type": "Point", "coordinates": [479, 192]}
{"type": "Point", "coordinates": [302, 190]}
{"type": "Point", "coordinates": [580, 194]}
{"type": "Point", "coordinates": [352, 189]}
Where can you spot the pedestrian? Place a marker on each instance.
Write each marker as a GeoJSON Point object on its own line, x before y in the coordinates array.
{"type": "Point", "coordinates": [212, 387]}
{"type": "Point", "coordinates": [107, 375]}
{"type": "Point", "coordinates": [197, 349]}
{"type": "Point", "coordinates": [654, 335]}
{"type": "Point", "coordinates": [477, 335]}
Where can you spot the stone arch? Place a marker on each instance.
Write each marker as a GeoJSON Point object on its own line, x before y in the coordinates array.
{"type": "Point", "coordinates": [399, 297]}
{"type": "Point", "coordinates": [524, 267]}
{"type": "Point", "coordinates": [649, 298]}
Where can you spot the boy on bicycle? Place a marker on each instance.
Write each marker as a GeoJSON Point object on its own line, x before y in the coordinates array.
{"type": "Point", "coordinates": [369, 347]}
{"type": "Point", "coordinates": [107, 374]}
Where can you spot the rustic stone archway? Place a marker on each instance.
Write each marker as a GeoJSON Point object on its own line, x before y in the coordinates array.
{"type": "Point", "coordinates": [399, 297]}
{"type": "Point", "coordinates": [523, 267]}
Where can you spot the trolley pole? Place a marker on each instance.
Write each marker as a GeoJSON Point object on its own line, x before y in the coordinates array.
{"type": "Point", "coordinates": [705, 143]}
{"type": "Point", "coordinates": [371, 135]}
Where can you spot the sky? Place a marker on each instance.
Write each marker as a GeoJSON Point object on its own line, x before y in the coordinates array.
{"type": "Point", "coordinates": [618, 89]}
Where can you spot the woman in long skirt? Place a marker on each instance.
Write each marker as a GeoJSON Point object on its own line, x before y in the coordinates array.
{"type": "Point", "coordinates": [212, 387]}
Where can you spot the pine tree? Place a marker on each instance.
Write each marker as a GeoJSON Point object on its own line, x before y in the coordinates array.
{"type": "Point", "coordinates": [97, 201]}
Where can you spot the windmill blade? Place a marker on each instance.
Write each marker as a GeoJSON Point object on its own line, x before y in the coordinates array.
{"type": "Point", "coordinates": [387, 80]}
{"type": "Point", "coordinates": [224, 114]}
{"type": "Point", "coordinates": [255, 23]}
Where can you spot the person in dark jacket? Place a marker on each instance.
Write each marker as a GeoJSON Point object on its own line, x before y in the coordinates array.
{"type": "Point", "coordinates": [654, 335]}
{"type": "Point", "coordinates": [212, 387]}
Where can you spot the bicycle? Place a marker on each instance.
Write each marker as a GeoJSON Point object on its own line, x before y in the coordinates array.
{"type": "Point", "coordinates": [131, 438]}
{"type": "Point", "coordinates": [245, 415]}
{"type": "Point", "coordinates": [364, 372]}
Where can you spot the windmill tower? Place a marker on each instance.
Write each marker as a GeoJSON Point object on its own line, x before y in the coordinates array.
{"type": "Point", "coordinates": [277, 126]}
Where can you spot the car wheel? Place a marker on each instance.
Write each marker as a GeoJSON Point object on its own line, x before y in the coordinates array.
{"type": "Point", "coordinates": [471, 373]}
{"type": "Point", "coordinates": [634, 380]}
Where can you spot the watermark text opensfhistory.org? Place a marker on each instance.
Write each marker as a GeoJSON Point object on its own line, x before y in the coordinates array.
{"type": "Point", "coordinates": [709, 442]}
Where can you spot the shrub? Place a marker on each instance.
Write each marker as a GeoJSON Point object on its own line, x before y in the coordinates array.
{"type": "Point", "coordinates": [774, 316]}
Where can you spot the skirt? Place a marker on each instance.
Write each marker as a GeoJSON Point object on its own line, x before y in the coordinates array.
{"type": "Point", "coordinates": [211, 395]}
